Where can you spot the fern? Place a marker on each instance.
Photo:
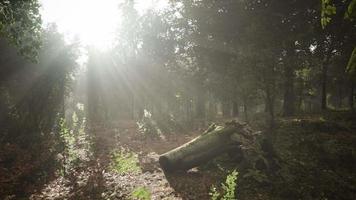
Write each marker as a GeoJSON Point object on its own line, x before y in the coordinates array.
{"type": "Point", "coordinates": [228, 188]}
{"type": "Point", "coordinates": [214, 193]}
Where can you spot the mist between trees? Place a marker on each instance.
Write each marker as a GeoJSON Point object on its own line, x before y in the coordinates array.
{"type": "Point", "coordinates": [171, 71]}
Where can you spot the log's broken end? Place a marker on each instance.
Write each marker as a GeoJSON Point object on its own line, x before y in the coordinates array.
{"type": "Point", "coordinates": [164, 162]}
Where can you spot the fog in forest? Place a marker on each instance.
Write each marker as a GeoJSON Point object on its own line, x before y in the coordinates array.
{"type": "Point", "coordinates": [177, 99]}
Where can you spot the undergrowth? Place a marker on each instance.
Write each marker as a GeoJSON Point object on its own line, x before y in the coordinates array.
{"type": "Point", "coordinates": [124, 162]}
{"type": "Point", "coordinates": [76, 143]}
{"type": "Point", "coordinates": [228, 188]}
{"type": "Point", "coordinates": [141, 193]}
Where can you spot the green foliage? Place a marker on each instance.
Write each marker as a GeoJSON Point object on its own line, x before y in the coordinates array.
{"type": "Point", "coordinates": [327, 10]}
{"type": "Point", "coordinates": [228, 188]}
{"type": "Point", "coordinates": [256, 175]}
{"type": "Point", "coordinates": [141, 193]}
{"type": "Point", "coordinates": [214, 194]}
{"type": "Point", "coordinates": [63, 130]}
{"type": "Point", "coordinates": [125, 162]}
{"type": "Point", "coordinates": [76, 144]}
{"type": "Point", "coordinates": [148, 125]}
{"type": "Point", "coordinates": [351, 66]}
{"type": "Point", "coordinates": [351, 11]}
{"type": "Point", "coordinates": [20, 23]}
{"type": "Point", "coordinates": [40, 86]}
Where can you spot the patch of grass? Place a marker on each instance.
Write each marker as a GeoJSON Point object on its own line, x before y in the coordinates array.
{"type": "Point", "coordinates": [141, 193]}
{"type": "Point", "coordinates": [125, 162]}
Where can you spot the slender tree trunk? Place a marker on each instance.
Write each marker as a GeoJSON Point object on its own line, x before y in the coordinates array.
{"type": "Point", "coordinates": [289, 96]}
{"type": "Point", "coordinates": [323, 84]}
{"type": "Point", "coordinates": [188, 107]}
{"type": "Point", "coordinates": [141, 107]}
{"type": "Point", "coordinates": [351, 98]}
{"type": "Point", "coordinates": [132, 106]}
{"type": "Point", "coordinates": [93, 102]}
{"type": "Point", "coordinates": [339, 100]}
{"type": "Point", "coordinates": [270, 106]}
{"type": "Point", "coordinates": [301, 100]}
{"type": "Point", "coordinates": [211, 107]}
{"type": "Point", "coordinates": [200, 105]}
{"type": "Point", "coordinates": [226, 109]}
{"type": "Point", "coordinates": [245, 111]}
{"type": "Point", "coordinates": [209, 111]}
{"type": "Point", "coordinates": [141, 112]}
{"type": "Point", "coordinates": [235, 109]}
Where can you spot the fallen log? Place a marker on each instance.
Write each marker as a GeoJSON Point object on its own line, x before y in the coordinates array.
{"type": "Point", "coordinates": [213, 142]}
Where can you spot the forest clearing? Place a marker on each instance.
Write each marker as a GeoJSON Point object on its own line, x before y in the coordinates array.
{"type": "Point", "coordinates": [177, 99]}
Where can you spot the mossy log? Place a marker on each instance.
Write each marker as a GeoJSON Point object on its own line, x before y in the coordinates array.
{"type": "Point", "coordinates": [213, 142]}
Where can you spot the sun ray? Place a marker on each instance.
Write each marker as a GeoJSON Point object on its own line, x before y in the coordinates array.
{"type": "Point", "coordinates": [94, 22]}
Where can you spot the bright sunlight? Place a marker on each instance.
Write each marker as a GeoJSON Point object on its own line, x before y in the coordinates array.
{"type": "Point", "coordinates": [93, 22]}
{"type": "Point", "coordinates": [177, 99]}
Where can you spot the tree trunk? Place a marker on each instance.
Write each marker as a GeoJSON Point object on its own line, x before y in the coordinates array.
{"type": "Point", "coordinates": [323, 86]}
{"type": "Point", "coordinates": [211, 114]}
{"type": "Point", "coordinates": [226, 109]}
{"type": "Point", "coordinates": [235, 109]}
{"type": "Point", "coordinates": [213, 142]}
{"type": "Point", "coordinates": [289, 97]}
{"type": "Point", "coordinates": [188, 109]}
{"type": "Point", "coordinates": [200, 105]}
{"type": "Point", "coordinates": [300, 99]}
{"type": "Point", "coordinates": [133, 106]}
{"type": "Point", "coordinates": [245, 109]}
{"type": "Point", "coordinates": [351, 98]}
{"type": "Point", "coordinates": [340, 95]}
{"type": "Point", "coordinates": [270, 106]}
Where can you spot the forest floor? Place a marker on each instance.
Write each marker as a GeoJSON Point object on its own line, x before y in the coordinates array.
{"type": "Point", "coordinates": [314, 156]}
{"type": "Point", "coordinates": [97, 179]}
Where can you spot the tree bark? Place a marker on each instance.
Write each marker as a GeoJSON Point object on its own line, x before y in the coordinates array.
{"type": "Point", "coordinates": [211, 113]}
{"type": "Point", "coordinates": [323, 87]}
{"type": "Point", "coordinates": [226, 109]}
{"type": "Point", "coordinates": [132, 106]}
{"type": "Point", "coordinates": [289, 97]}
{"type": "Point", "coordinates": [351, 98]}
{"type": "Point", "coordinates": [188, 109]}
{"type": "Point", "coordinates": [213, 142]}
{"type": "Point", "coordinates": [200, 105]}
{"type": "Point", "coordinates": [235, 109]}
{"type": "Point", "coordinates": [340, 95]}
{"type": "Point", "coordinates": [245, 109]}
{"type": "Point", "coordinates": [270, 106]}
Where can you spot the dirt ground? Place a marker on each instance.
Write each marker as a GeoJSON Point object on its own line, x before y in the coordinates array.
{"type": "Point", "coordinates": [97, 181]}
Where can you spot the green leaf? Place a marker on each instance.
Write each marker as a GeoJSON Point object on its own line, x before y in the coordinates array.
{"type": "Point", "coordinates": [330, 10]}
{"type": "Point", "coordinates": [351, 65]}
{"type": "Point", "coordinates": [351, 11]}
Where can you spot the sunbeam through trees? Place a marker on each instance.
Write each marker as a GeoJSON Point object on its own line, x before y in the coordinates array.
{"type": "Point", "coordinates": [177, 99]}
